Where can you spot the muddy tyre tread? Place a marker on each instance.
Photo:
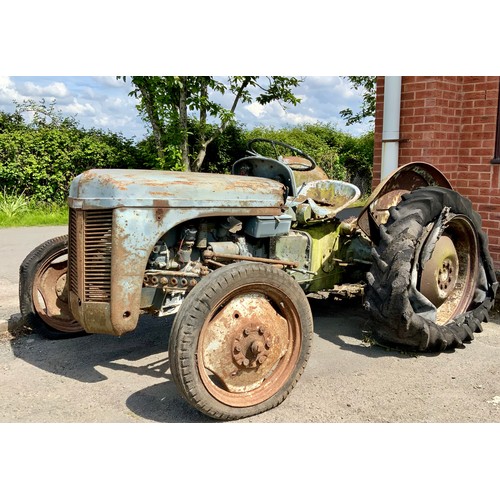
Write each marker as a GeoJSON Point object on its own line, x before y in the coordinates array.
{"type": "Point", "coordinates": [191, 317]}
{"type": "Point", "coordinates": [394, 321]}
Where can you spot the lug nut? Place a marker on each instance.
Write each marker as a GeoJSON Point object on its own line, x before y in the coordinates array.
{"type": "Point", "coordinates": [261, 358]}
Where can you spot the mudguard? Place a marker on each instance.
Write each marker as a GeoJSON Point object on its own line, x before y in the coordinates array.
{"type": "Point", "coordinates": [388, 193]}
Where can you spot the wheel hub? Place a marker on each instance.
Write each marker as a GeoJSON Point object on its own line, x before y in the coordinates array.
{"type": "Point", "coordinates": [447, 277]}
{"type": "Point", "coordinates": [251, 348]}
{"type": "Point", "coordinates": [61, 290]}
{"type": "Point", "coordinates": [439, 275]}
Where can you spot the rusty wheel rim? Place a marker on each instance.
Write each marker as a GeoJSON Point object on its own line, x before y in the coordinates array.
{"type": "Point", "coordinates": [249, 345]}
{"type": "Point", "coordinates": [50, 294]}
{"type": "Point", "coordinates": [448, 278]}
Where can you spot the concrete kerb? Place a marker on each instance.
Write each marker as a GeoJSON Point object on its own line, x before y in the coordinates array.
{"type": "Point", "coordinates": [13, 323]}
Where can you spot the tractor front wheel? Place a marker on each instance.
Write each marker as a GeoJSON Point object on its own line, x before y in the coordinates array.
{"type": "Point", "coordinates": [241, 340]}
{"type": "Point", "coordinates": [43, 290]}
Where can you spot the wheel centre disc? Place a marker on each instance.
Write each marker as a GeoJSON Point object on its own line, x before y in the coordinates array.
{"type": "Point", "coordinates": [248, 346]}
{"type": "Point", "coordinates": [439, 275]}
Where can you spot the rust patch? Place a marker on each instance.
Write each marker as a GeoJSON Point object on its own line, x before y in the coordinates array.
{"type": "Point", "coordinates": [160, 214]}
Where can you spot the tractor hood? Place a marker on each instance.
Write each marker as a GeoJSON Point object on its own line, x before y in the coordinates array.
{"type": "Point", "coordinates": [110, 188]}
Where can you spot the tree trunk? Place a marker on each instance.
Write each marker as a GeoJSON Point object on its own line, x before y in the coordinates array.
{"type": "Point", "coordinates": [202, 151]}
{"type": "Point", "coordinates": [203, 121]}
{"type": "Point", "coordinates": [183, 124]}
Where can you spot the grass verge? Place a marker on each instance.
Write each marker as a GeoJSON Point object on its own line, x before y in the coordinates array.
{"type": "Point", "coordinates": [18, 210]}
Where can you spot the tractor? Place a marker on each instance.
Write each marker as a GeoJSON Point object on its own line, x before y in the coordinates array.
{"type": "Point", "coordinates": [235, 256]}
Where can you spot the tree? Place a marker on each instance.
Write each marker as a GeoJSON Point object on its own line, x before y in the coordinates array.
{"type": "Point", "coordinates": [368, 85]}
{"type": "Point", "coordinates": [166, 103]}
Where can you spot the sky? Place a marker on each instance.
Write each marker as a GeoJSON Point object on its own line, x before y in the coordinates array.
{"type": "Point", "coordinates": [103, 102]}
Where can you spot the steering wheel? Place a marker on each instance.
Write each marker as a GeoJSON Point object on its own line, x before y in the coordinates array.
{"type": "Point", "coordinates": [300, 161]}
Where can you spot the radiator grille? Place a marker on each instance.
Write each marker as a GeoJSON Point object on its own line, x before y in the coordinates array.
{"type": "Point", "coordinates": [97, 255]}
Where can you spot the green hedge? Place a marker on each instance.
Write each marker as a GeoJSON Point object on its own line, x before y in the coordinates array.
{"type": "Point", "coordinates": [41, 162]}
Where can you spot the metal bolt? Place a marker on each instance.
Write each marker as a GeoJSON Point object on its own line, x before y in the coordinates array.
{"type": "Point", "coordinates": [261, 358]}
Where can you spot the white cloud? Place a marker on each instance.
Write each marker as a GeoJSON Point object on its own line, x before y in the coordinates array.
{"type": "Point", "coordinates": [256, 109]}
{"type": "Point", "coordinates": [79, 108]}
{"type": "Point", "coordinates": [114, 104]}
{"type": "Point", "coordinates": [109, 81]}
{"type": "Point", "coordinates": [107, 121]}
{"type": "Point", "coordinates": [53, 90]}
{"type": "Point", "coordinates": [8, 92]}
{"type": "Point", "coordinates": [273, 114]}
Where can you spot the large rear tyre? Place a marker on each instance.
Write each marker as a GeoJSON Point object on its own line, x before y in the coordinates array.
{"type": "Point", "coordinates": [43, 293]}
{"type": "Point", "coordinates": [432, 282]}
{"type": "Point", "coordinates": [240, 341]}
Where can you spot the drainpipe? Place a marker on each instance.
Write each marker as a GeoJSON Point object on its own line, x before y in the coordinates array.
{"type": "Point", "coordinates": [390, 130]}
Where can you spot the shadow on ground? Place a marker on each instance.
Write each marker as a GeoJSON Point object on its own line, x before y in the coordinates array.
{"type": "Point", "coordinates": [344, 323]}
{"type": "Point", "coordinates": [78, 358]}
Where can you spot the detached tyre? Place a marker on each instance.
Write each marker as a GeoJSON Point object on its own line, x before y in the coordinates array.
{"type": "Point", "coordinates": [43, 294]}
{"type": "Point", "coordinates": [432, 282]}
{"type": "Point", "coordinates": [240, 340]}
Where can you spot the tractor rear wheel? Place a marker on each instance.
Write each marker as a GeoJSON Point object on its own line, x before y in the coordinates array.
{"type": "Point", "coordinates": [432, 282]}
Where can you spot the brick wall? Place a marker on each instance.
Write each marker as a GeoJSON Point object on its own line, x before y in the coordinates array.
{"type": "Point", "coordinates": [450, 122]}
